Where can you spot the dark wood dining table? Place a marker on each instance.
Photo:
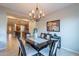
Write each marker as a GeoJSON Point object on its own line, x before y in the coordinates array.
{"type": "Point", "coordinates": [39, 43]}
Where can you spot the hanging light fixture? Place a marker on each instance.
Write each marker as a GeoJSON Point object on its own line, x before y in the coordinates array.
{"type": "Point", "coordinates": [36, 14]}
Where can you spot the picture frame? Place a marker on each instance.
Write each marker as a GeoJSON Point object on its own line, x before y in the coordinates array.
{"type": "Point", "coordinates": [53, 26]}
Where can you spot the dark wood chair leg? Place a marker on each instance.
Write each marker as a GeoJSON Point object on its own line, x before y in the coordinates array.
{"type": "Point", "coordinates": [19, 52]}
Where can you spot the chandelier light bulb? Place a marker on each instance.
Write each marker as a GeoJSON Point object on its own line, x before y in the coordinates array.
{"type": "Point", "coordinates": [40, 12]}
{"type": "Point", "coordinates": [34, 16]}
{"type": "Point", "coordinates": [30, 14]}
{"type": "Point", "coordinates": [43, 14]}
{"type": "Point", "coordinates": [33, 11]}
{"type": "Point", "coordinates": [39, 16]}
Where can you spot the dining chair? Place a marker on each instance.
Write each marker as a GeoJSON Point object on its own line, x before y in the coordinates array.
{"type": "Point", "coordinates": [59, 40]}
{"type": "Point", "coordinates": [42, 35]}
{"type": "Point", "coordinates": [48, 36]}
{"type": "Point", "coordinates": [22, 51]}
{"type": "Point", "coordinates": [28, 35]}
{"type": "Point", "coordinates": [26, 50]}
{"type": "Point", "coordinates": [54, 48]}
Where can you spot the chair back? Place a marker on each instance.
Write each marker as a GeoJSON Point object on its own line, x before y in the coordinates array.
{"type": "Point", "coordinates": [22, 48]}
{"type": "Point", "coordinates": [42, 35]}
{"type": "Point", "coordinates": [48, 36]}
{"type": "Point", "coordinates": [28, 35]}
{"type": "Point", "coordinates": [54, 47]}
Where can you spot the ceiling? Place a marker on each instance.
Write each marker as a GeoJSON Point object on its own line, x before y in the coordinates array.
{"type": "Point", "coordinates": [21, 10]}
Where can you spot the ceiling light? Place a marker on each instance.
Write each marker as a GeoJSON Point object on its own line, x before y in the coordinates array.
{"type": "Point", "coordinates": [36, 14]}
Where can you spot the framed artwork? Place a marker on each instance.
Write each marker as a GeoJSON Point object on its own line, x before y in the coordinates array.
{"type": "Point", "coordinates": [53, 26]}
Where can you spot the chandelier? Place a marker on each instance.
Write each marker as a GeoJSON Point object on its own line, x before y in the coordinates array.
{"type": "Point", "coordinates": [36, 14]}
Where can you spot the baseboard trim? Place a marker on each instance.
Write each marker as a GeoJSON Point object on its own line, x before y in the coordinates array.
{"type": "Point", "coordinates": [73, 51]}
{"type": "Point", "coordinates": [2, 49]}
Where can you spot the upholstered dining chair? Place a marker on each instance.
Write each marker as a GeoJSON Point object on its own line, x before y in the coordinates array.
{"type": "Point", "coordinates": [22, 51]}
{"type": "Point", "coordinates": [54, 48]}
{"type": "Point", "coordinates": [28, 35]}
{"type": "Point", "coordinates": [26, 50]}
{"type": "Point", "coordinates": [48, 36]}
{"type": "Point", "coordinates": [42, 35]}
